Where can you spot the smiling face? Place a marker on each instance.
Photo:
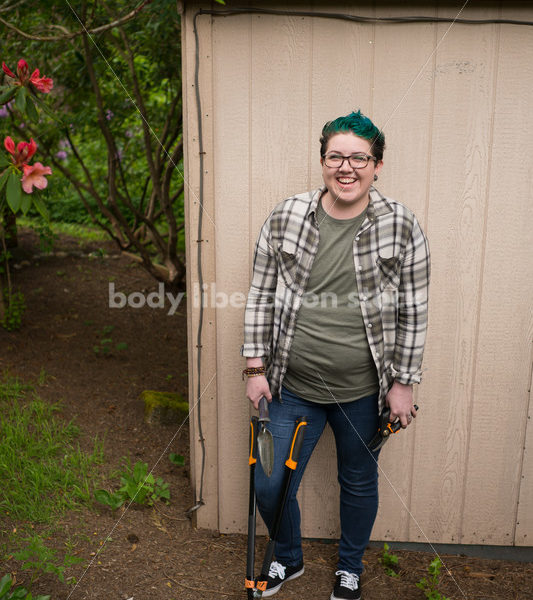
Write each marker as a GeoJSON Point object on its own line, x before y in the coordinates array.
{"type": "Point", "coordinates": [348, 188]}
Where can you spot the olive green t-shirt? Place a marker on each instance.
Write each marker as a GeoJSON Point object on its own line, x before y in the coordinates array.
{"type": "Point", "coordinates": [330, 359]}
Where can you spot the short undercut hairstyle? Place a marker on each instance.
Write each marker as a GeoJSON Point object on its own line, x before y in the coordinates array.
{"type": "Point", "coordinates": [358, 124]}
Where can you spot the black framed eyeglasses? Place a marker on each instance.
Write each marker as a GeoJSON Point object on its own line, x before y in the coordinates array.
{"type": "Point", "coordinates": [356, 161]}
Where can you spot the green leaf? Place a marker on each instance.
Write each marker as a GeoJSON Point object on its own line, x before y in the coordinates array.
{"type": "Point", "coordinates": [5, 584]}
{"type": "Point", "coordinates": [113, 500]}
{"type": "Point", "coordinates": [20, 101]}
{"type": "Point", "coordinates": [139, 470]}
{"type": "Point", "coordinates": [4, 160]}
{"type": "Point", "coordinates": [220, 1]}
{"type": "Point", "coordinates": [6, 96]}
{"type": "Point", "coordinates": [48, 111]}
{"type": "Point", "coordinates": [31, 111]}
{"type": "Point", "coordinates": [118, 500]}
{"type": "Point", "coordinates": [140, 495]}
{"type": "Point", "coordinates": [3, 179]}
{"type": "Point", "coordinates": [177, 459]}
{"type": "Point", "coordinates": [41, 208]}
{"type": "Point", "coordinates": [13, 192]}
{"type": "Point", "coordinates": [103, 496]}
{"type": "Point", "coordinates": [25, 205]}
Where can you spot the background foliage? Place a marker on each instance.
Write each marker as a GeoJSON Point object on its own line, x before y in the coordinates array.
{"type": "Point", "coordinates": [111, 165]}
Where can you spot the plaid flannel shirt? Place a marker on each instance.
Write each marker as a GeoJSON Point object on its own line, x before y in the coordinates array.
{"type": "Point", "coordinates": [391, 266]}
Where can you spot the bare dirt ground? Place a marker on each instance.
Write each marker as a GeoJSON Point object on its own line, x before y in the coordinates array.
{"type": "Point", "coordinates": [155, 553]}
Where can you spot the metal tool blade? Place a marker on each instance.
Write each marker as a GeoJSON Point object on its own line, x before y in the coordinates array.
{"type": "Point", "coordinates": [265, 442]}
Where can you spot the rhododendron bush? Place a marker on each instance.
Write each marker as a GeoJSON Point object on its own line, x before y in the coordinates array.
{"type": "Point", "coordinates": [106, 82]}
{"type": "Point", "coordinates": [19, 178]}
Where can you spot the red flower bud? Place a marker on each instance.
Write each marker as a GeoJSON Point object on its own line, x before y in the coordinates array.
{"type": "Point", "coordinates": [23, 70]}
{"type": "Point", "coordinates": [23, 151]}
{"type": "Point", "coordinates": [9, 145]}
{"type": "Point", "coordinates": [26, 150]}
{"type": "Point", "coordinates": [8, 71]}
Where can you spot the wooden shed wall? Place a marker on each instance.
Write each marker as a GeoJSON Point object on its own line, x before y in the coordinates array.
{"type": "Point", "coordinates": [455, 106]}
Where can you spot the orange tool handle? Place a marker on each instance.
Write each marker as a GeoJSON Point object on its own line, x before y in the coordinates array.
{"type": "Point", "coordinates": [296, 445]}
{"type": "Point", "coordinates": [252, 459]}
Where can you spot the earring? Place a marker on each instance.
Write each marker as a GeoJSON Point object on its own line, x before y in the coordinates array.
{"type": "Point", "coordinates": [375, 177]}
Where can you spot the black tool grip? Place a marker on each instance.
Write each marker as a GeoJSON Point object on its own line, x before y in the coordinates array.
{"type": "Point", "coordinates": [253, 441]}
{"type": "Point", "coordinates": [389, 427]}
{"type": "Point", "coordinates": [263, 410]}
{"type": "Point", "coordinates": [296, 444]}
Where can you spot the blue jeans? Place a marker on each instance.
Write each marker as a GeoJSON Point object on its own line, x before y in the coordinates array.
{"type": "Point", "coordinates": [357, 473]}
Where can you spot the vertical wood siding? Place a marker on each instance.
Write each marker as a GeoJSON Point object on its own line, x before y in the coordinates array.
{"type": "Point", "coordinates": [455, 105]}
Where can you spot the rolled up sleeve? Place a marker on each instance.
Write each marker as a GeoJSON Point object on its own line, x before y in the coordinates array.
{"type": "Point", "coordinates": [259, 312]}
{"type": "Point", "coordinates": [406, 366]}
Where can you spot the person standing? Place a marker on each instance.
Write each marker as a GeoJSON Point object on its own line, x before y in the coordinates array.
{"type": "Point", "coordinates": [334, 329]}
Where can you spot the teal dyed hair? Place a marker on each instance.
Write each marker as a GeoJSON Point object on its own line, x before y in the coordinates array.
{"type": "Point", "coordinates": [359, 125]}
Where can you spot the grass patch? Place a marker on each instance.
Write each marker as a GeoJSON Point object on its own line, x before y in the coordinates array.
{"type": "Point", "coordinates": [84, 232]}
{"type": "Point", "coordinates": [42, 468]}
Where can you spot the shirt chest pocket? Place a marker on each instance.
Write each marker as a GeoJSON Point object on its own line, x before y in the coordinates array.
{"type": "Point", "coordinates": [389, 271]}
{"type": "Point", "coordinates": [288, 261]}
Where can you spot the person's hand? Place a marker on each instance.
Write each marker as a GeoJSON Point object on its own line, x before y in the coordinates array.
{"type": "Point", "coordinates": [256, 388]}
{"type": "Point", "coordinates": [400, 401]}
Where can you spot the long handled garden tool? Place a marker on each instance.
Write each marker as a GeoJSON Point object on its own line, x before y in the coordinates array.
{"type": "Point", "coordinates": [250, 557]}
{"type": "Point", "coordinates": [290, 466]}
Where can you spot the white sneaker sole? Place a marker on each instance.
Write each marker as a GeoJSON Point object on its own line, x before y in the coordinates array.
{"type": "Point", "coordinates": [275, 590]}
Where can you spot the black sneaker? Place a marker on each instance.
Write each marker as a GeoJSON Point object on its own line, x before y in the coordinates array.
{"type": "Point", "coordinates": [279, 574]}
{"type": "Point", "coordinates": [346, 586]}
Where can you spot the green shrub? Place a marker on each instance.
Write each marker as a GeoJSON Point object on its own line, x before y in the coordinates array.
{"type": "Point", "coordinates": [138, 486]}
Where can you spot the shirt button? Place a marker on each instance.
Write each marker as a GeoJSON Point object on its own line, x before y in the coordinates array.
{"type": "Point", "coordinates": [370, 325]}
{"type": "Point", "coordinates": [377, 353]}
{"type": "Point", "coordinates": [359, 268]}
{"type": "Point", "coordinates": [357, 239]}
{"type": "Point", "coordinates": [363, 298]}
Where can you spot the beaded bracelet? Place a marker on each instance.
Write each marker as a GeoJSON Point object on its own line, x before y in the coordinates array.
{"type": "Point", "coordinates": [253, 371]}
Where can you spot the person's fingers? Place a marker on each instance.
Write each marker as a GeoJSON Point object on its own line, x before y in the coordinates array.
{"type": "Point", "coordinates": [256, 388]}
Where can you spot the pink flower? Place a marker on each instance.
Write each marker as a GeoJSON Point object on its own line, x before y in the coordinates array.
{"type": "Point", "coordinates": [43, 84]}
{"type": "Point", "coordinates": [34, 175]}
{"type": "Point", "coordinates": [22, 153]}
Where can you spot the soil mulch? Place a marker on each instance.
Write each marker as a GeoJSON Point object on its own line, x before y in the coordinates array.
{"type": "Point", "coordinates": [155, 553]}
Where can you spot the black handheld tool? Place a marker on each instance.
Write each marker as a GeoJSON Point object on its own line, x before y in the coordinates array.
{"type": "Point", "coordinates": [385, 429]}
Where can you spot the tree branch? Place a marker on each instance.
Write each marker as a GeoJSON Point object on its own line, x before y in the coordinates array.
{"type": "Point", "coordinates": [39, 38]}
{"type": "Point", "coordinates": [10, 8]}
{"type": "Point", "coordinates": [164, 146]}
{"type": "Point", "coordinates": [142, 109]}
